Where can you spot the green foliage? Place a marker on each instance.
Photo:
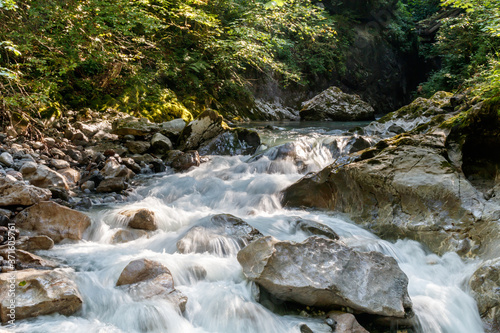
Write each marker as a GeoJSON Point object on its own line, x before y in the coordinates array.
{"type": "Point", "coordinates": [421, 9]}
{"type": "Point", "coordinates": [189, 53]}
{"type": "Point", "coordinates": [469, 48]}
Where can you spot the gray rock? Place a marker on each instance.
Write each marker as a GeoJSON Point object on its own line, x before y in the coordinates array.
{"type": "Point", "coordinates": [59, 164]}
{"type": "Point", "coordinates": [223, 234]}
{"type": "Point", "coordinates": [235, 142]}
{"type": "Point", "coordinates": [138, 147]}
{"type": "Point", "coordinates": [28, 167]}
{"type": "Point", "coordinates": [333, 104]}
{"type": "Point", "coordinates": [326, 273]}
{"type": "Point", "coordinates": [402, 187]}
{"type": "Point", "coordinates": [134, 126]}
{"type": "Point", "coordinates": [161, 144]}
{"type": "Point", "coordinates": [50, 142]}
{"type": "Point", "coordinates": [485, 286]}
{"type": "Point", "coordinates": [172, 128]}
{"type": "Point", "coordinates": [6, 159]}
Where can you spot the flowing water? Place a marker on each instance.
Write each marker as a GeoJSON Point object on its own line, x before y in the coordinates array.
{"type": "Point", "coordinates": [224, 301]}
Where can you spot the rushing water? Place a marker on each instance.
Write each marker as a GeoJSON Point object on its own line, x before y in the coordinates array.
{"type": "Point", "coordinates": [224, 301]}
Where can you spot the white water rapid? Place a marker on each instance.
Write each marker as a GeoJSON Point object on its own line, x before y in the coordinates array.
{"type": "Point", "coordinates": [224, 301]}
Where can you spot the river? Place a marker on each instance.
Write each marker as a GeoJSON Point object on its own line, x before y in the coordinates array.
{"type": "Point", "coordinates": [224, 301]}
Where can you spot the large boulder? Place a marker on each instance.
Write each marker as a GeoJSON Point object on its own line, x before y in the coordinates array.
{"type": "Point", "coordinates": [38, 292]}
{"type": "Point", "coordinates": [223, 234]}
{"type": "Point", "coordinates": [144, 278]}
{"type": "Point", "coordinates": [53, 220]}
{"type": "Point", "coordinates": [134, 126]}
{"type": "Point", "coordinates": [485, 286]}
{"type": "Point", "coordinates": [333, 104]}
{"type": "Point", "coordinates": [326, 273]}
{"type": "Point", "coordinates": [206, 126]}
{"type": "Point", "coordinates": [19, 194]}
{"type": "Point", "coordinates": [402, 187]}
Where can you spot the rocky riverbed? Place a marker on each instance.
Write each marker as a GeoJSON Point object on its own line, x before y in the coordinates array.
{"type": "Point", "coordinates": [417, 173]}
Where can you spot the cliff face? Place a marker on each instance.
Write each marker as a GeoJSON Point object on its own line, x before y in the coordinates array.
{"type": "Point", "coordinates": [380, 64]}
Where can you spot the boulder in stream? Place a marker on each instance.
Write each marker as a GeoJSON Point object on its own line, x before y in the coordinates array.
{"type": "Point", "coordinates": [144, 278]}
{"type": "Point", "coordinates": [334, 104]}
{"type": "Point", "coordinates": [206, 126]}
{"type": "Point", "coordinates": [326, 273]}
{"type": "Point", "coordinates": [39, 292]}
{"type": "Point", "coordinates": [223, 234]}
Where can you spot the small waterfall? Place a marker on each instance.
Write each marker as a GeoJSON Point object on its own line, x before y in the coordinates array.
{"type": "Point", "coordinates": [220, 299]}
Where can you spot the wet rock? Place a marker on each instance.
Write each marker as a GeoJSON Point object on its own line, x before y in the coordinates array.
{"type": "Point", "coordinates": [402, 187]}
{"type": "Point", "coordinates": [26, 260]}
{"type": "Point", "coordinates": [112, 185]}
{"type": "Point", "coordinates": [126, 235]}
{"type": "Point", "coordinates": [345, 322]}
{"type": "Point", "coordinates": [326, 273]}
{"type": "Point", "coordinates": [161, 144]}
{"type": "Point", "coordinates": [223, 234]}
{"type": "Point", "coordinates": [313, 228]}
{"type": "Point", "coordinates": [184, 161]}
{"type": "Point", "coordinates": [133, 126]}
{"type": "Point", "coordinates": [138, 147]}
{"type": "Point", "coordinates": [132, 165]}
{"type": "Point", "coordinates": [485, 286]}
{"type": "Point", "coordinates": [235, 142]}
{"type": "Point", "coordinates": [20, 194]}
{"type": "Point", "coordinates": [57, 153]}
{"type": "Point", "coordinates": [333, 104]}
{"type": "Point", "coordinates": [146, 279]}
{"type": "Point", "coordinates": [34, 243]}
{"type": "Point", "coordinates": [41, 293]}
{"type": "Point", "coordinates": [206, 126]}
{"type": "Point", "coordinates": [45, 177]}
{"type": "Point", "coordinates": [53, 220]}
{"type": "Point", "coordinates": [140, 219]}
{"type": "Point", "coordinates": [6, 159]}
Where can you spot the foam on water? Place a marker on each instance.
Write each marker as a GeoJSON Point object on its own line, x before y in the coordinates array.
{"type": "Point", "coordinates": [224, 301]}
